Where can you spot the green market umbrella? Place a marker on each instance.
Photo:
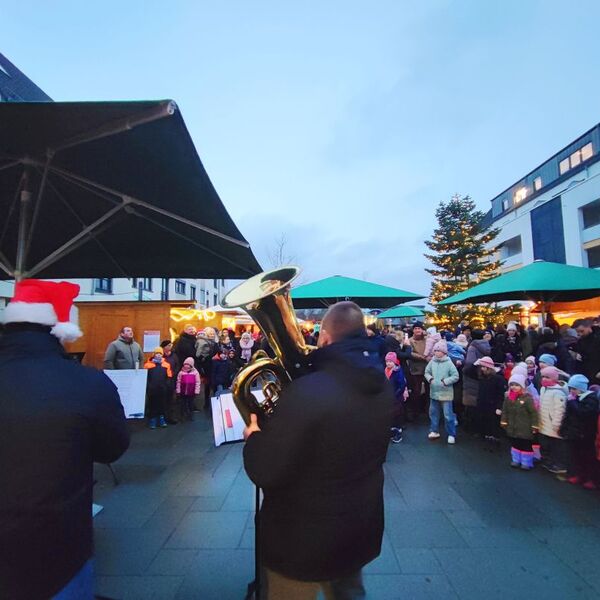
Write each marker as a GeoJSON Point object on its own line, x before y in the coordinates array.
{"type": "Point", "coordinates": [333, 289]}
{"type": "Point", "coordinates": [110, 189]}
{"type": "Point", "coordinates": [401, 312]}
{"type": "Point", "coordinates": [540, 281]}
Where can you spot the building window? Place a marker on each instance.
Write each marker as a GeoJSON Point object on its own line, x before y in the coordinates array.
{"type": "Point", "coordinates": [510, 247]}
{"type": "Point", "coordinates": [537, 184]}
{"type": "Point", "coordinates": [587, 151]}
{"type": "Point", "coordinates": [147, 284]}
{"type": "Point", "coordinates": [582, 154]}
{"type": "Point", "coordinates": [505, 204]}
{"type": "Point", "coordinates": [593, 257]}
{"type": "Point", "coordinates": [222, 282]}
{"type": "Point", "coordinates": [520, 194]}
{"type": "Point", "coordinates": [216, 300]}
{"type": "Point", "coordinates": [192, 292]}
{"type": "Point", "coordinates": [591, 214]}
{"type": "Point", "coordinates": [215, 283]}
{"type": "Point", "coordinates": [180, 287]}
{"type": "Point", "coordinates": [103, 286]}
{"type": "Point", "coordinates": [134, 282]}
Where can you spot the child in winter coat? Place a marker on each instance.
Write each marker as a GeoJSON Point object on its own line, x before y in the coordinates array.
{"type": "Point", "coordinates": [579, 427]}
{"type": "Point", "coordinates": [246, 347]}
{"type": "Point", "coordinates": [395, 375]}
{"type": "Point", "coordinates": [553, 402]}
{"type": "Point", "coordinates": [531, 368]}
{"type": "Point", "coordinates": [433, 337]}
{"type": "Point", "coordinates": [490, 396]}
{"type": "Point", "coordinates": [509, 364]}
{"type": "Point", "coordinates": [158, 387]}
{"type": "Point", "coordinates": [441, 374]}
{"type": "Point", "coordinates": [188, 387]}
{"type": "Point", "coordinates": [222, 372]}
{"type": "Point", "coordinates": [520, 419]}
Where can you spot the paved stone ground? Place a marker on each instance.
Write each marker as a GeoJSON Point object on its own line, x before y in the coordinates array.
{"type": "Point", "coordinates": [460, 523]}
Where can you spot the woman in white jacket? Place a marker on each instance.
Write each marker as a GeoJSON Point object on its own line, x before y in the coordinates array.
{"type": "Point", "coordinates": [553, 402]}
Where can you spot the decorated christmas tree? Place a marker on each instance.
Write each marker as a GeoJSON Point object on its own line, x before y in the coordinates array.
{"type": "Point", "coordinates": [463, 255]}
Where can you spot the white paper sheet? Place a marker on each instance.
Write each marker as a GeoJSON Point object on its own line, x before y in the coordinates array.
{"type": "Point", "coordinates": [228, 424]}
{"type": "Point", "coordinates": [131, 384]}
{"type": "Point", "coordinates": [151, 340]}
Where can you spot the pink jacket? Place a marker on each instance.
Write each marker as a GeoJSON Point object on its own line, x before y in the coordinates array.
{"type": "Point", "coordinates": [195, 374]}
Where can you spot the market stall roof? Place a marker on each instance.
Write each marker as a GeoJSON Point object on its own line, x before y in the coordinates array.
{"type": "Point", "coordinates": [401, 312]}
{"type": "Point", "coordinates": [110, 189]}
{"type": "Point", "coordinates": [334, 289]}
{"type": "Point", "coordinates": [539, 281]}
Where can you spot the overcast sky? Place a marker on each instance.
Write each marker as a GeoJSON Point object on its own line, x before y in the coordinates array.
{"type": "Point", "coordinates": [341, 124]}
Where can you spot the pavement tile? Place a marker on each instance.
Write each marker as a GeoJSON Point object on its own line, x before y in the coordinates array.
{"type": "Point", "coordinates": [218, 575]}
{"type": "Point", "coordinates": [464, 518]}
{"type": "Point", "coordinates": [404, 587]}
{"type": "Point", "coordinates": [417, 560]}
{"type": "Point", "coordinates": [172, 561]}
{"type": "Point", "coordinates": [207, 503]}
{"type": "Point", "coordinates": [138, 588]}
{"type": "Point", "coordinates": [497, 537]}
{"type": "Point", "coordinates": [170, 512]}
{"type": "Point", "coordinates": [577, 547]}
{"type": "Point", "coordinates": [127, 551]}
{"type": "Point", "coordinates": [209, 530]}
{"type": "Point", "coordinates": [511, 574]}
{"type": "Point", "coordinates": [423, 529]}
{"type": "Point", "coordinates": [386, 562]}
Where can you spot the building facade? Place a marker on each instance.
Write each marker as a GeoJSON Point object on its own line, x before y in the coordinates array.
{"type": "Point", "coordinates": [15, 86]}
{"type": "Point", "coordinates": [553, 212]}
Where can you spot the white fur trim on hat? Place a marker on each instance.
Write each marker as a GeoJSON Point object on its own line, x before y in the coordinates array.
{"type": "Point", "coordinates": [30, 312]}
{"type": "Point", "coordinates": [66, 332]}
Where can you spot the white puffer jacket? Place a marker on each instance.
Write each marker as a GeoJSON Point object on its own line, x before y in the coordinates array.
{"type": "Point", "coordinates": [553, 401]}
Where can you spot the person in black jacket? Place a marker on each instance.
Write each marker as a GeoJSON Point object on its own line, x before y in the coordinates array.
{"type": "Point", "coordinates": [58, 418]}
{"type": "Point", "coordinates": [579, 428]}
{"type": "Point", "coordinates": [319, 460]}
{"type": "Point", "coordinates": [588, 350]}
{"type": "Point", "coordinates": [185, 345]}
{"type": "Point", "coordinates": [490, 396]}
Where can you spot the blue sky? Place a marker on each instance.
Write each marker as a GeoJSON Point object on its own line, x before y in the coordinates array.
{"type": "Point", "coordinates": [339, 124]}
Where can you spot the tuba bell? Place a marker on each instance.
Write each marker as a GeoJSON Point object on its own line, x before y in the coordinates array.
{"type": "Point", "coordinates": [266, 298]}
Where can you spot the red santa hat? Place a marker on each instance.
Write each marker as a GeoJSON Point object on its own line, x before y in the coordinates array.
{"type": "Point", "coordinates": [46, 303]}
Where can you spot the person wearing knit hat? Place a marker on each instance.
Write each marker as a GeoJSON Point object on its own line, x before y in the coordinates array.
{"type": "Point", "coordinates": [553, 403]}
{"type": "Point", "coordinates": [548, 360]}
{"type": "Point", "coordinates": [173, 404]}
{"type": "Point", "coordinates": [520, 419]}
{"type": "Point", "coordinates": [59, 419]}
{"type": "Point", "coordinates": [158, 387]}
{"type": "Point", "coordinates": [188, 388]}
{"type": "Point", "coordinates": [579, 428]}
{"type": "Point", "coordinates": [461, 340]}
{"type": "Point", "coordinates": [441, 374]}
{"type": "Point", "coordinates": [395, 375]}
{"type": "Point", "coordinates": [490, 395]}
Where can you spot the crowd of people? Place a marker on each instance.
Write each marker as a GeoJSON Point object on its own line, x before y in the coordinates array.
{"type": "Point", "coordinates": [537, 386]}
{"type": "Point", "coordinates": [185, 374]}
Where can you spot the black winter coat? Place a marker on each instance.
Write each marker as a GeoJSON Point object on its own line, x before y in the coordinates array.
{"type": "Point", "coordinates": [58, 418]}
{"type": "Point", "coordinates": [589, 348]}
{"type": "Point", "coordinates": [491, 393]}
{"type": "Point", "coordinates": [581, 418]}
{"type": "Point", "coordinates": [319, 460]}
{"type": "Point", "coordinates": [185, 346]}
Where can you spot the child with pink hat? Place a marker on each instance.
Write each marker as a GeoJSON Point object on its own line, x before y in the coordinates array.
{"type": "Point", "coordinates": [520, 419]}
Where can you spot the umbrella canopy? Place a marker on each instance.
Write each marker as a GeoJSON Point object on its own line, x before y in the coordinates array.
{"type": "Point", "coordinates": [540, 281]}
{"type": "Point", "coordinates": [333, 289]}
{"type": "Point", "coordinates": [401, 312]}
{"type": "Point", "coordinates": [110, 189]}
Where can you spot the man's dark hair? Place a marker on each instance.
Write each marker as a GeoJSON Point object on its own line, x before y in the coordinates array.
{"type": "Point", "coordinates": [165, 343]}
{"type": "Point", "coordinates": [582, 323]}
{"type": "Point", "coordinates": [343, 320]}
{"type": "Point", "coordinates": [371, 326]}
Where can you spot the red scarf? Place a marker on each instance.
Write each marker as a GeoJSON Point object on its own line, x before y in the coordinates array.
{"type": "Point", "coordinates": [512, 395]}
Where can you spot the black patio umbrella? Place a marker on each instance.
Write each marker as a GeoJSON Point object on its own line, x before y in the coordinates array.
{"type": "Point", "coordinates": [110, 189]}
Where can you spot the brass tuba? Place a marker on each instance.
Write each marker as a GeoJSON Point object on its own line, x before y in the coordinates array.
{"type": "Point", "coordinates": [266, 298]}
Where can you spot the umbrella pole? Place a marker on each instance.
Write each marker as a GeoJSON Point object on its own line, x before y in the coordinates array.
{"type": "Point", "coordinates": [24, 213]}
